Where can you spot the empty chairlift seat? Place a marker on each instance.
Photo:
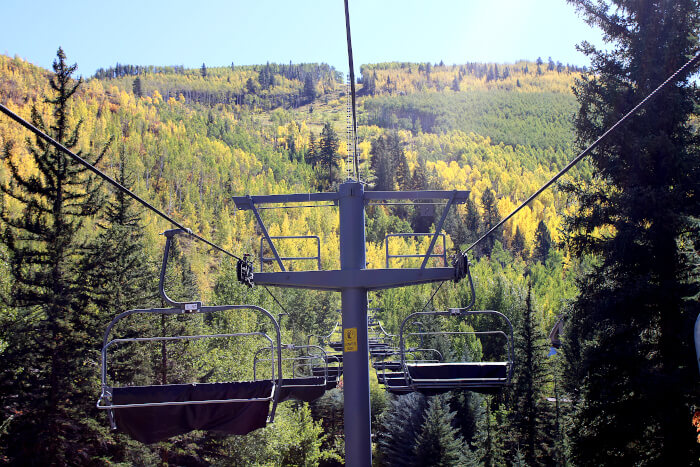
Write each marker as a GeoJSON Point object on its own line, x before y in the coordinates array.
{"type": "Point", "coordinates": [485, 377]}
{"type": "Point", "coordinates": [306, 384]}
{"type": "Point", "coordinates": [156, 412]}
{"type": "Point", "coordinates": [392, 374]}
{"type": "Point", "coordinates": [479, 376]}
{"type": "Point", "coordinates": [333, 374]}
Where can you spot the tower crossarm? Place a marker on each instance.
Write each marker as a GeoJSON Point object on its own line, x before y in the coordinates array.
{"type": "Point", "coordinates": [369, 279]}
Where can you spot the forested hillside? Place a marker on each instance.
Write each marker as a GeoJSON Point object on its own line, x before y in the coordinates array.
{"type": "Point", "coordinates": [187, 140]}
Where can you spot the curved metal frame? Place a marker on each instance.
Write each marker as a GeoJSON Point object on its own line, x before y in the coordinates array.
{"type": "Point", "coordinates": [323, 356]}
{"type": "Point", "coordinates": [322, 339]}
{"type": "Point", "coordinates": [382, 370]}
{"type": "Point", "coordinates": [187, 306]}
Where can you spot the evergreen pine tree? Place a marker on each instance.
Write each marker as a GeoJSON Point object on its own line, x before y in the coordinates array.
{"type": "Point", "coordinates": [381, 165]}
{"type": "Point", "coordinates": [469, 408]}
{"type": "Point", "coordinates": [472, 220]}
{"type": "Point", "coordinates": [419, 179]}
{"type": "Point", "coordinates": [203, 70]}
{"type": "Point", "coordinates": [402, 173]}
{"type": "Point", "coordinates": [48, 376]}
{"type": "Point", "coordinates": [309, 88]}
{"type": "Point", "coordinates": [138, 91]}
{"type": "Point", "coordinates": [328, 155]}
{"type": "Point", "coordinates": [251, 86]}
{"type": "Point", "coordinates": [527, 417]}
{"type": "Point", "coordinates": [438, 442]}
{"type": "Point", "coordinates": [519, 242]}
{"type": "Point", "coordinates": [400, 427]}
{"type": "Point", "coordinates": [543, 243]}
{"type": "Point", "coordinates": [490, 450]}
{"type": "Point", "coordinates": [119, 276]}
{"type": "Point", "coordinates": [633, 373]}
{"type": "Point", "coordinates": [312, 153]}
{"type": "Point", "coordinates": [488, 204]}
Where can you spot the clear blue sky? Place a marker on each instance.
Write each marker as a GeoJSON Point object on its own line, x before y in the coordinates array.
{"type": "Point", "coordinates": [217, 32]}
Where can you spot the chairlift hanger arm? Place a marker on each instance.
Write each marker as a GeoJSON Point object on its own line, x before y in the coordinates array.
{"type": "Point", "coordinates": [185, 306]}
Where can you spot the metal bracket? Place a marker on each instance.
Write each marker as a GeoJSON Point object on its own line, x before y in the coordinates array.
{"type": "Point", "coordinates": [266, 235]}
{"type": "Point", "coordinates": [389, 257]}
{"type": "Point", "coordinates": [438, 229]}
{"type": "Point", "coordinates": [244, 271]}
{"type": "Point", "coordinates": [264, 259]}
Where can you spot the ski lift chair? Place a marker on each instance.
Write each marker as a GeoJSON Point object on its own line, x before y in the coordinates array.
{"type": "Point", "coordinates": [336, 345]}
{"type": "Point", "coordinates": [333, 371]}
{"type": "Point", "coordinates": [392, 375]}
{"type": "Point", "coordinates": [379, 341]}
{"type": "Point", "coordinates": [334, 360]}
{"type": "Point", "coordinates": [432, 377]}
{"type": "Point", "coordinates": [156, 412]}
{"type": "Point", "coordinates": [303, 385]}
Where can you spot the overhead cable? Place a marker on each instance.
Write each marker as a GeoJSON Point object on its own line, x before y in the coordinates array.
{"type": "Point", "coordinates": [275, 299]}
{"type": "Point", "coordinates": [586, 151]}
{"type": "Point", "coordinates": [107, 178]}
{"type": "Point", "coordinates": [352, 92]}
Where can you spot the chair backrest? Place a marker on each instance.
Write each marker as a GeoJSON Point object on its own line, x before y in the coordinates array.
{"type": "Point", "coordinates": [274, 346]}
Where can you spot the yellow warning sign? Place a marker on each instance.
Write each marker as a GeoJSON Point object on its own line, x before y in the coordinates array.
{"type": "Point", "coordinates": [350, 339]}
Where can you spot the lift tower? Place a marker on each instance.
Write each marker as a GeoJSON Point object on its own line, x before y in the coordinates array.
{"type": "Point", "coordinates": [353, 280]}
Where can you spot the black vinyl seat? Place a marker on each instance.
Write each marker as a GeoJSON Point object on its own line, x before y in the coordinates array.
{"type": "Point", "coordinates": [334, 373]}
{"type": "Point", "coordinates": [460, 371]}
{"type": "Point", "coordinates": [302, 389]}
{"type": "Point", "coordinates": [485, 377]}
{"type": "Point", "coordinates": [308, 381]}
{"type": "Point", "coordinates": [336, 345]}
{"type": "Point", "coordinates": [389, 365]}
{"type": "Point", "coordinates": [155, 413]}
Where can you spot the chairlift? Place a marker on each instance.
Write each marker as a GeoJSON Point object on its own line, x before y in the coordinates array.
{"type": "Point", "coordinates": [392, 375]}
{"type": "Point", "coordinates": [379, 341]}
{"type": "Point", "coordinates": [305, 384]}
{"type": "Point", "coordinates": [336, 345]}
{"type": "Point", "coordinates": [153, 413]}
{"type": "Point", "coordinates": [483, 376]}
{"type": "Point", "coordinates": [555, 333]}
{"type": "Point", "coordinates": [334, 360]}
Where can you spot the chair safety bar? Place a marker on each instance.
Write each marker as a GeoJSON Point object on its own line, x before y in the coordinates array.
{"type": "Point", "coordinates": [321, 356]}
